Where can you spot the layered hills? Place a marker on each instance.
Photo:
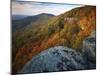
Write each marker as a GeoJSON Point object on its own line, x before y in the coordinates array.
{"type": "Point", "coordinates": [21, 21]}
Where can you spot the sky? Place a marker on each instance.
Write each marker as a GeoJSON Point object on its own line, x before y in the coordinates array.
{"type": "Point", "coordinates": [35, 8]}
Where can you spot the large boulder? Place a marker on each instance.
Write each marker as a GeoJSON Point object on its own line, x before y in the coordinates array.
{"type": "Point", "coordinates": [58, 58]}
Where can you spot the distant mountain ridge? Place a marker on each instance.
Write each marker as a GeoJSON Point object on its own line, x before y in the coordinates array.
{"type": "Point", "coordinates": [20, 21]}
{"type": "Point", "coordinates": [18, 17]}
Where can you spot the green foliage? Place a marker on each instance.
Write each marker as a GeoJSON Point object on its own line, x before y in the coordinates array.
{"type": "Point", "coordinates": [61, 24]}
{"type": "Point", "coordinates": [78, 43]}
{"type": "Point", "coordinates": [50, 31]}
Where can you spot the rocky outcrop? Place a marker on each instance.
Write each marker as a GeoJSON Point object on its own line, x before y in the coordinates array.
{"type": "Point", "coordinates": [58, 58]}
{"type": "Point", "coordinates": [89, 49]}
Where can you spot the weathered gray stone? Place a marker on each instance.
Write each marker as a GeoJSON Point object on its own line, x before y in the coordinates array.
{"type": "Point", "coordinates": [58, 58]}
{"type": "Point", "coordinates": [89, 49]}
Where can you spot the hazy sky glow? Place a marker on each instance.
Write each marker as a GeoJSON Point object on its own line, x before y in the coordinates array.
{"type": "Point", "coordinates": [34, 8]}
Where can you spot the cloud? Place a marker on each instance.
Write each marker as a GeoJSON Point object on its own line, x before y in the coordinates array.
{"type": "Point", "coordinates": [34, 8]}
